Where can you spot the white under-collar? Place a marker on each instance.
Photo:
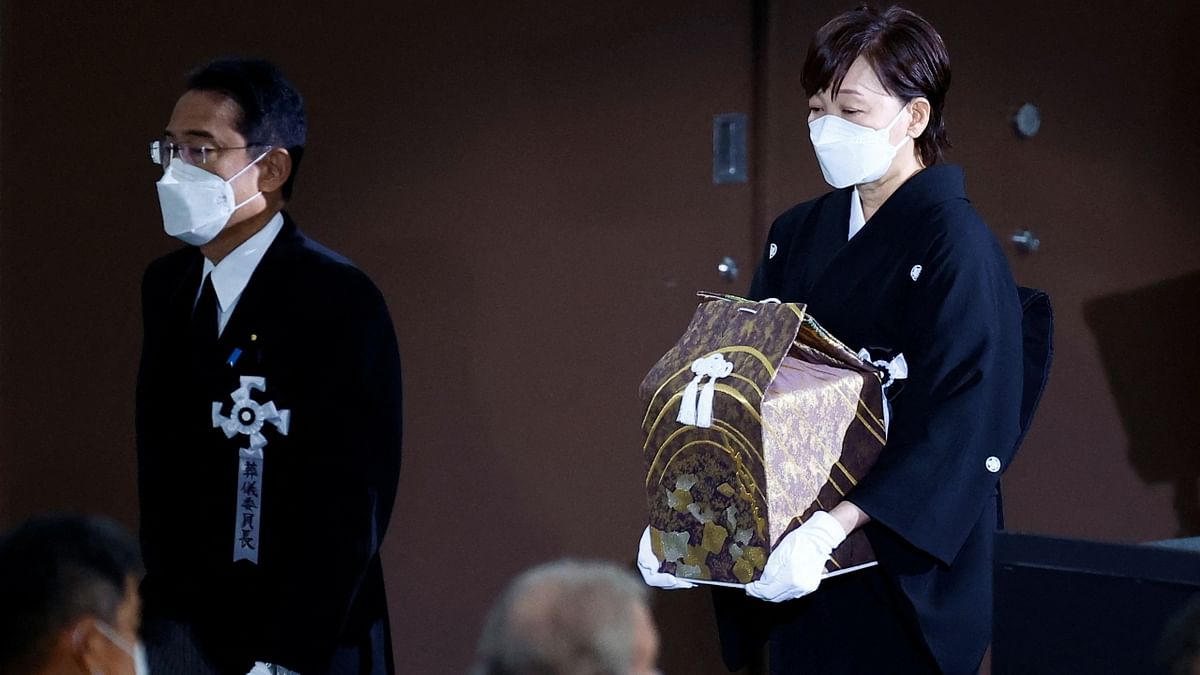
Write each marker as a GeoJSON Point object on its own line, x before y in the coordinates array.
{"type": "Point", "coordinates": [856, 214]}
{"type": "Point", "coordinates": [231, 275]}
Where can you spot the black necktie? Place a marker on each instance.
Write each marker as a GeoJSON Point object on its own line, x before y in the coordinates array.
{"type": "Point", "coordinates": [204, 316]}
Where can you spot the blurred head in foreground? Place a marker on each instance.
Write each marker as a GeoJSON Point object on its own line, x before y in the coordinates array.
{"type": "Point", "coordinates": [570, 618]}
{"type": "Point", "coordinates": [69, 599]}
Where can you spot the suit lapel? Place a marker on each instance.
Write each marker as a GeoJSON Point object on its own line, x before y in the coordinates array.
{"type": "Point", "coordinates": [182, 298]}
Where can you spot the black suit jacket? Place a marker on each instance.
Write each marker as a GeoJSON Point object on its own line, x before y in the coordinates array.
{"type": "Point", "coordinates": [318, 330]}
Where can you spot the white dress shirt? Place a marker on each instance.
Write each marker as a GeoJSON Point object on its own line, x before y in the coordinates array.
{"type": "Point", "coordinates": [231, 275]}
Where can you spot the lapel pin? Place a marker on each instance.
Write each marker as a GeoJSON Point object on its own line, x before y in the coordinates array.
{"type": "Point", "coordinates": [915, 272]}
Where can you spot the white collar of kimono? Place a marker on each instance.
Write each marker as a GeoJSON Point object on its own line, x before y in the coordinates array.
{"type": "Point", "coordinates": [856, 214]}
{"type": "Point", "coordinates": [231, 275]}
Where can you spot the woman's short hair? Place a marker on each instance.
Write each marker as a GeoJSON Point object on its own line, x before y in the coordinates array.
{"type": "Point", "coordinates": [906, 53]}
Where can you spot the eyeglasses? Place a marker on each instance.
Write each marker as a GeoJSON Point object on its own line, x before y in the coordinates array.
{"type": "Point", "coordinates": [161, 152]}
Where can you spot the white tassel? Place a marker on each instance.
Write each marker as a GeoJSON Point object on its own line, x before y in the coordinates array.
{"type": "Point", "coordinates": [704, 408]}
{"type": "Point", "coordinates": [687, 405]}
{"type": "Point", "coordinates": [699, 413]}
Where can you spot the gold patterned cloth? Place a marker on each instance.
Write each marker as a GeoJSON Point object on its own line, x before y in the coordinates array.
{"type": "Point", "coordinates": [756, 418]}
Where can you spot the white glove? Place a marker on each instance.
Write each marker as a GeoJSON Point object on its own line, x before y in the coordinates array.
{"type": "Point", "coordinates": [795, 567]}
{"type": "Point", "coordinates": [648, 566]}
{"type": "Point", "coordinates": [261, 668]}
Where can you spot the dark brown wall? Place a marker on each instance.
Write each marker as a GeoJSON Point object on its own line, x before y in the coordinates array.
{"type": "Point", "coordinates": [1113, 452]}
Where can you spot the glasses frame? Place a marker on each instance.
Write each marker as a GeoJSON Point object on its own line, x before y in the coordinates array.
{"type": "Point", "coordinates": [182, 149]}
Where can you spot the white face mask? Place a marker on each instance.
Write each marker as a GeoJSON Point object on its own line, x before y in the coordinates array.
{"type": "Point", "coordinates": [195, 203]}
{"type": "Point", "coordinates": [136, 652]}
{"type": "Point", "coordinates": [851, 154]}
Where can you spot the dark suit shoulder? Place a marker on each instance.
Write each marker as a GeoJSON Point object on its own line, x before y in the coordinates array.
{"type": "Point", "coordinates": [174, 263]}
{"type": "Point", "coordinates": [314, 252]}
{"type": "Point", "coordinates": [329, 280]}
{"type": "Point", "coordinates": [327, 266]}
{"type": "Point", "coordinates": [165, 276]}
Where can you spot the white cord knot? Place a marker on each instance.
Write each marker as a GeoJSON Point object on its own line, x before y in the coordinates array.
{"type": "Point", "coordinates": [896, 369]}
{"type": "Point", "coordinates": [699, 412]}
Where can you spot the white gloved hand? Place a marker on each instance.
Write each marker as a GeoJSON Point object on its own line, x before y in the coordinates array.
{"type": "Point", "coordinates": [795, 567]}
{"type": "Point", "coordinates": [648, 565]}
{"type": "Point", "coordinates": [261, 668]}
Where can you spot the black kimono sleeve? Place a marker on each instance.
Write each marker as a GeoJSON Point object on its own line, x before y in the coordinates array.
{"type": "Point", "coordinates": [955, 422]}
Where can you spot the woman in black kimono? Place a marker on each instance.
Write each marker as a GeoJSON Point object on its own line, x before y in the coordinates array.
{"type": "Point", "coordinates": [896, 261]}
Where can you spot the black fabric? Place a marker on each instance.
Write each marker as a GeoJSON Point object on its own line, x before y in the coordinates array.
{"type": "Point", "coordinates": [204, 317]}
{"type": "Point", "coordinates": [1037, 341]}
{"type": "Point", "coordinates": [1037, 333]}
{"type": "Point", "coordinates": [926, 278]}
{"type": "Point", "coordinates": [828, 631]}
{"type": "Point", "coordinates": [318, 331]}
{"type": "Point", "coordinates": [176, 651]}
{"type": "Point", "coordinates": [881, 642]}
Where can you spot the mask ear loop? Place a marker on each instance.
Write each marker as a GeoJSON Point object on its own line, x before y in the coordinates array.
{"type": "Point", "coordinates": [247, 167]}
{"type": "Point", "coordinates": [906, 138]}
{"type": "Point", "coordinates": [244, 170]}
{"type": "Point", "coordinates": [114, 637]}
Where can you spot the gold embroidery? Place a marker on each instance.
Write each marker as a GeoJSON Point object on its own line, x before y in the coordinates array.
{"type": "Point", "coordinates": [849, 476]}
{"type": "Point", "coordinates": [805, 429]}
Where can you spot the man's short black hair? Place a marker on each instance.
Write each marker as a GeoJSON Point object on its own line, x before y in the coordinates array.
{"type": "Point", "coordinates": [55, 570]}
{"type": "Point", "coordinates": [272, 111]}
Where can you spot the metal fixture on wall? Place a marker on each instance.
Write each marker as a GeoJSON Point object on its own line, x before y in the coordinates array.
{"type": "Point", "coordinates": [1027, 121]}
{"type": "Point", "coordinates": [1026, 241]}
{"type": "Point", "coordinates": [729, 148]}
{"type": "Point", "coordinates": [728, 269]}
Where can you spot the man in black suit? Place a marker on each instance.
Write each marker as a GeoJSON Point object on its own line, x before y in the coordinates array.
{"type": "Point", "coordinates": [268, 406]}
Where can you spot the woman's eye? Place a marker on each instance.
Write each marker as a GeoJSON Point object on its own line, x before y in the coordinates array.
{"type": "Point", "coordinates": [850, 112]}
{"type": "Point", "coordinates": [813, 109]}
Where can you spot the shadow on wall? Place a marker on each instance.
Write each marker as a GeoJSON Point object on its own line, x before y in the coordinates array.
{"type": "Point", "coordinates": [1147, 340]}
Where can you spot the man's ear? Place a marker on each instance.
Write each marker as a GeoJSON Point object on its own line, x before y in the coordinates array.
{"type": "Point", "coordinates": [84, 644]}
{"type": "Point", "coordinates": [274, 170]}
{"type": "Point", "coordinates": [920, 117]}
